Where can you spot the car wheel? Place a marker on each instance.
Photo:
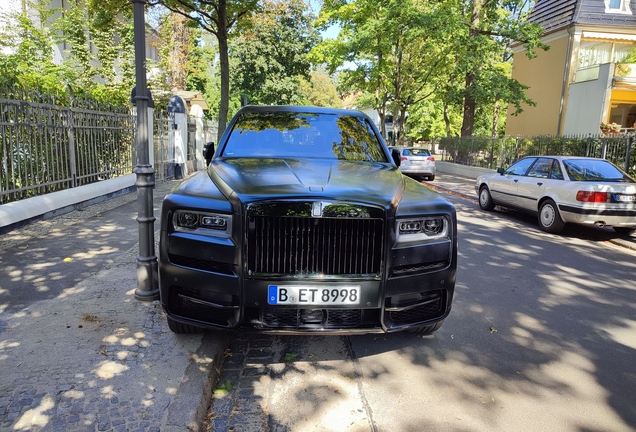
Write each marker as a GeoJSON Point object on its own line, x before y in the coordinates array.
{"type": "Point", "coordinates": [180, 328]}
{"type": "Point", "coordinates": [425, 330]}
{"type": "Point", "coordinates": [485, 199]}
{"type": "Point", "coordinates": [624, 231]}
{"type": "Point", "coordinates": [549, 217]}
{"type": "Point", "coordinates": [431, 178]}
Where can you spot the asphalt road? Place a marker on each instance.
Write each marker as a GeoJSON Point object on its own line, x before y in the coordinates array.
{"type": "Point", "coordinates": [542, 337]}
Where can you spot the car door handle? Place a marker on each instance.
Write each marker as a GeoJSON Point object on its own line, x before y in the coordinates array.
{"type": "Point", "coordinates": [516, 180]}
{"type": "Point", "coordinates": [539, 183]}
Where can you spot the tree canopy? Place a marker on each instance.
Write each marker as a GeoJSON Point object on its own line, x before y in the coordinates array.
{"type": "Point", "coordinates": [269, 58]}
{"type": "Point", "coordinates": [436, 67]}
{"type": "Point", "coordinates": [404, 52]}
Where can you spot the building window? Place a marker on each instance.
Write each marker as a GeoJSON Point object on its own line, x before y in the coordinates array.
{"type": "Point", "coordinates": [617, 6]}
{"type": "Point", "coordinates": [594, 53]}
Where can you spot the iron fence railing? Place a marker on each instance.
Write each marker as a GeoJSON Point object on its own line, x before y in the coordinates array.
{"type": "Point", "coordinates": [210, 131]}
{"type": "Point", "coordinates": [48, 144]}
{"type": "Point", "coordinates": [46, 147]}
{"type": "Point", "coordinates": [494, 152]}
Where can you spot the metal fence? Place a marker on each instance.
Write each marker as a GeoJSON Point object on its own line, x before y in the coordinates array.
{"type": "Point", "coordinates": [48, 144]}
{"type": "Point", "coordinates": [494, 152]}
{"type": "Point", "coordinates": [46, 147]}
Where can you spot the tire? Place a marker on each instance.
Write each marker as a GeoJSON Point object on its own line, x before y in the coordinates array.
{"type": "Point", "coordinates": [549, 217]}
{"type": "Point", "coordinates": [180, 328]}
{"type": "Point", "coordinates": [431, 178]}
{"type": "Point", "coordinates": [425, 330]}
{"type": "Point", "coordinates": [485, 199]}
{"type": "Point", "coordinates": [624, 231]}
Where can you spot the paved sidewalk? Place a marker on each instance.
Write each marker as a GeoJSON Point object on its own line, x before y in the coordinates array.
{"type": "Point", "coordinates": [77, 351]}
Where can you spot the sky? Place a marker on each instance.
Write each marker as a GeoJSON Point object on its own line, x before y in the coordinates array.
{"type": "Point", "coordinates": [332, 31]}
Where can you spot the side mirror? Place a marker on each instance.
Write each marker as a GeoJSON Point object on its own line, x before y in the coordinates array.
{"type": "Point", "coordinates": [208, 152]}
{"type": "Point", "coordinates": [501, 170]}
{"type": "Point", "coordinates": [395, 154]}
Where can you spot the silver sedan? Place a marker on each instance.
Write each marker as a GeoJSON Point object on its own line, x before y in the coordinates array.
{"type": "Point", "coordinates": [563, 189]}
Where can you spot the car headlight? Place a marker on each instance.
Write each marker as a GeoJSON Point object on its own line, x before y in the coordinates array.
{"type": "Point", "coordinates": [213, 224]}
{"type": "Point", "coordinates": [425, 228]}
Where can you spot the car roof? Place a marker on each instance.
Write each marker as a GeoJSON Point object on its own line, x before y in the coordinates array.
{"type": "Point", "coordinates": [299, 109]}
{"type": "Point", "coordinates": [561, 158]}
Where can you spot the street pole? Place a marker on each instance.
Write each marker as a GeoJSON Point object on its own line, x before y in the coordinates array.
{"type": "Point", "coordinates": [147, 285]}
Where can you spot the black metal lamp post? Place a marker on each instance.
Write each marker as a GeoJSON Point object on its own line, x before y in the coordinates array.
{"type": "Point", "coordinates": [147, 275]}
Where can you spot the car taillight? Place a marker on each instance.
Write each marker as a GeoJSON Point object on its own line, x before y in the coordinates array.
{"type": "Point", "coordinates": [431, 158]}
{"type": "Point", "coordinates": [404, 158]}
{"type": "Point", "coordinates": [594, 197]}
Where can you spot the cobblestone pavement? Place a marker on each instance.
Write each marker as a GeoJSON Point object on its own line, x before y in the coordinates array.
{"type": "Point", "coordinates": [93, 358]}
{"type": "Point", "coordinates": [284, 383]}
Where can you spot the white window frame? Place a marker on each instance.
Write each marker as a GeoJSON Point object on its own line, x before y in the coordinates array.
{"type": "Point", "coordinates": [624, 8]}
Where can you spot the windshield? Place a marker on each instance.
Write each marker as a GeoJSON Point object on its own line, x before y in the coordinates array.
{"type": "Point", "coordinates": [303, 135]}
{"type": "Point", "coordinates": [594, 170]}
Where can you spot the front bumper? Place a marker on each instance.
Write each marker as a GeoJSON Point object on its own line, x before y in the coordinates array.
{"type": "Point", "coordinates": [202, 284]}
{"type": "Point", "coordinates": [417, 169]}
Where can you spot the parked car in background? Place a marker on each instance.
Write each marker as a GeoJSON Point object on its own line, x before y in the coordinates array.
{"type": "Point", "coordinates": [563, 189]}
{"type": "Point", "coordinates": [417, 162]}
{"type": "Point", "coordinates": [302, 223]}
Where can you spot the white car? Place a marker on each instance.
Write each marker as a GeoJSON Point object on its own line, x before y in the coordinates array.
{"type": "Point", "coordinates": [563, 189]}
{"type": "Point", "coordinates": [417, 162]}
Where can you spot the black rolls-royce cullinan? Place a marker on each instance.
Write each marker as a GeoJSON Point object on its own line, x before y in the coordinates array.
{"type": "Point", "coordinates": [302, 223]}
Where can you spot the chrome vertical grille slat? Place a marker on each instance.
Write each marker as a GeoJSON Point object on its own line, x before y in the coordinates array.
{"type": "Point", "coordinates": [306, 245]}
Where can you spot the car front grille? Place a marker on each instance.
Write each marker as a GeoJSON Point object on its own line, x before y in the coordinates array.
{"type": "Point", "coordinates": [314, 246]}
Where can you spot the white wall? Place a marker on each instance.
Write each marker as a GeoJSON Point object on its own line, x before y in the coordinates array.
{"type": "Point", "coordinates": [56, 202]}
{"type": "Point", "coordinates": [461, 170]}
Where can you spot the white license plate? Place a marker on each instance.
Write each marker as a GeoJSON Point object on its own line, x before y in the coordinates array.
{"type": "Point", "coordinates": [313, 295]}
{"type": "Point", "coordinates": [624, 198]}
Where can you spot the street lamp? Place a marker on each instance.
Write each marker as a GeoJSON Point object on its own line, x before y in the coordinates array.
{"type": "Point", "coordinates": [147, 274]}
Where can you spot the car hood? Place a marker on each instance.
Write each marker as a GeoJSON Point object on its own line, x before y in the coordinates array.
{"type": "Point", "coordinates": [255, 179]}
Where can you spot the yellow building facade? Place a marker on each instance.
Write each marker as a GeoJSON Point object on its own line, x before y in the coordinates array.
{"type": "Point", "coordinates": [583, 79]}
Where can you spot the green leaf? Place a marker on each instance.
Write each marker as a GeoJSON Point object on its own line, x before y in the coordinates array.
{"type": "Point", "coordinates": [290, 357]}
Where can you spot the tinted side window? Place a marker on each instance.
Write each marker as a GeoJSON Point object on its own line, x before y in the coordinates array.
{"type": "Point", "coordinates": [541, 168]}
{"type": "Point", "coordinates": [520, 167]}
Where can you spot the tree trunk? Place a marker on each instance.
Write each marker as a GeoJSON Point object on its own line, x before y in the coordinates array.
{"type": "Point", "coordinates": [380, 106]}
{"type": "Point", "coordinates": [468, 120]}
{"type": "Point", "coordinates": [495, 120]}
{"type": "Point", "coordinates": [447, 122]}
{"type": "Point", "coordinates": [382, 124]}
{"type": "Point", "coordinates": [178, 52]}
{"type": "Point", "coordinates": [225, 69]}
{"type": "Point", "coordinates": [403, 126]}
